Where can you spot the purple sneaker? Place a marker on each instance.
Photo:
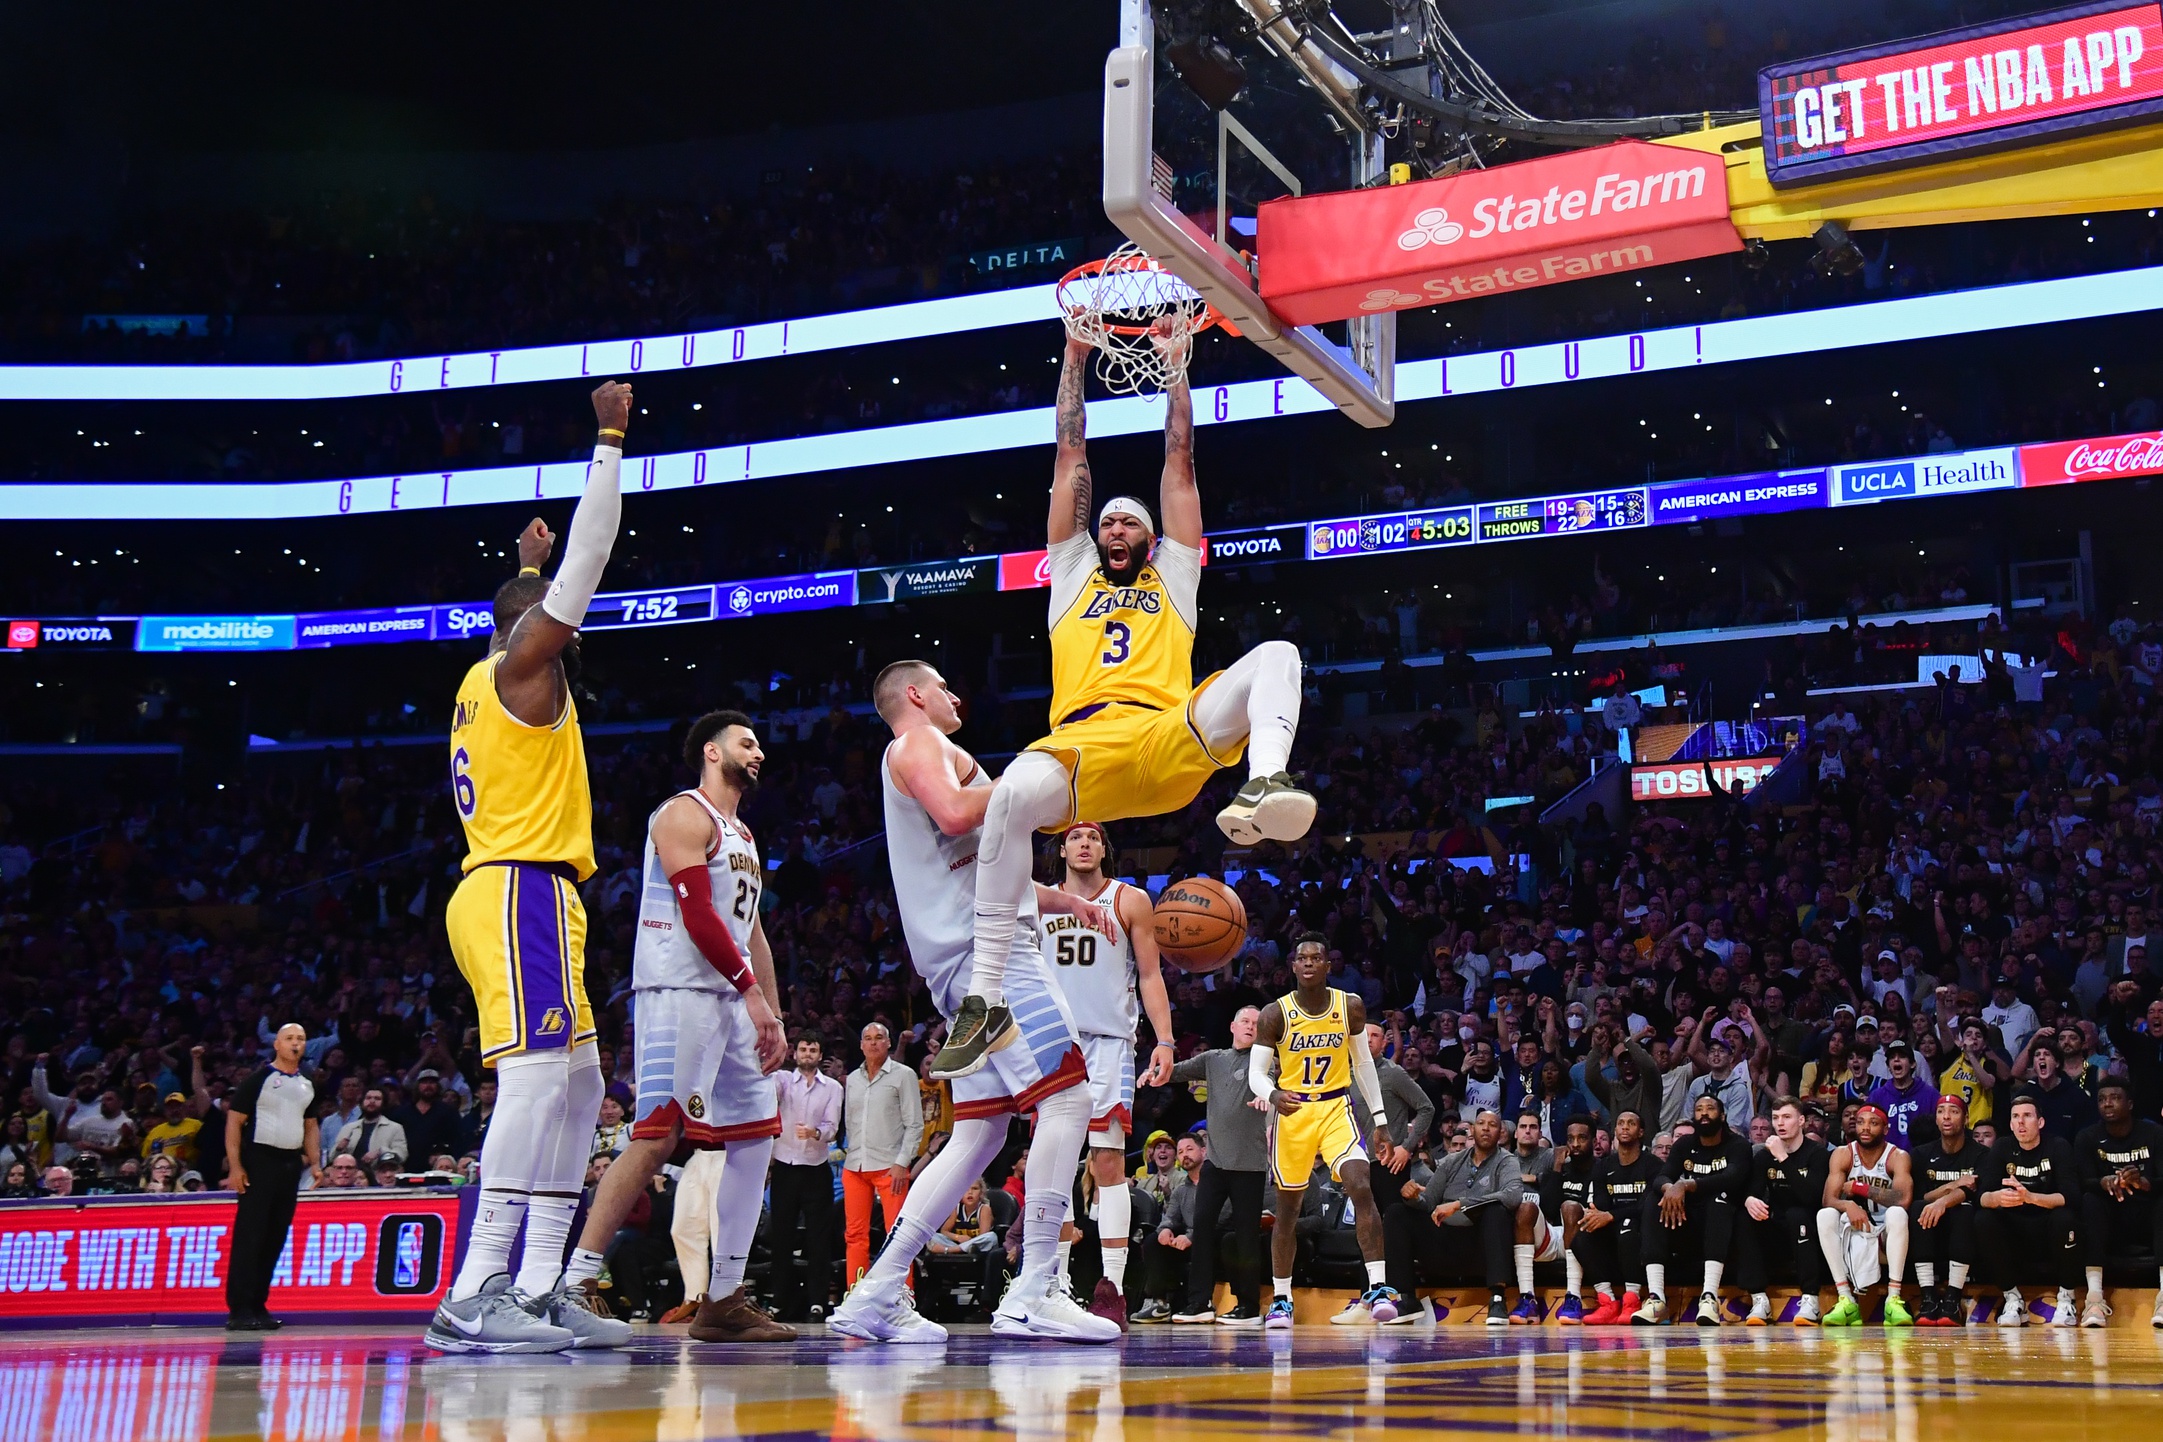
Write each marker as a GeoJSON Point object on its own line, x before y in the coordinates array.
{"type": "Point", "coordinates": [1527, 1311]}
{"type": "Point", "coordinates": [1280, 1314]}
{"type": "Point", "coordinates": [1571, 1313]}
{"type": "Point", "coordinates": [1382, 1303]}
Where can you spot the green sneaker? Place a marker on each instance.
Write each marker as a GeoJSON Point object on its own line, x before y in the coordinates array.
{"type": "Point", "coordinates": [977, 1031]}
{"type": "Point", "coordinates": [1846, 1314]}
{"type": "Point", "coordinates": [1896, 1311]}
{"type": "Point", "coordinates": [1267, 808]}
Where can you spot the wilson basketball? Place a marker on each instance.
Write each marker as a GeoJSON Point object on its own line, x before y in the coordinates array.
{"type": "Point", "coordinates": [1200, 924]}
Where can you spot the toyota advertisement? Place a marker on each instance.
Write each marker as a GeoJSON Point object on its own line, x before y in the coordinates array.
{"type": "Point", "coordinates": [1619, 207]}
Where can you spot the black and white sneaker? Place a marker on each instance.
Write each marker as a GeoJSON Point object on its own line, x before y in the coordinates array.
{"type": "Point", "coordinates": [1243, 1316]}
{"type": "Point", "coordinates": [977, 1031]}
{"type": "Point", "coordinates": [1498, 1312]}
{"type": "Point", "coordinates": [1267, 808]}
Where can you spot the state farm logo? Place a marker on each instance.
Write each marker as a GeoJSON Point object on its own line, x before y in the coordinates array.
{"type": "Point", "coordinates": [1388, 297]}
{"type": "Point", "coordinates": [2132, 456]}
{"type": "Point", "coordinates": [1432, 226]}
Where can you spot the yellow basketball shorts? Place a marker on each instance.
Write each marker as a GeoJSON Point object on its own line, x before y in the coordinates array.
{"type": "Point", "coordinates": [1326, 1128]}
{"type": "Point", "coordinates": [518, 933]}
{"type": "Point", "coordinates": [1125, 760]}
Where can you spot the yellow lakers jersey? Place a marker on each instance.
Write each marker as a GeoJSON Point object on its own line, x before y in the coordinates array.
{"type": "Point", "coordinates": [521, 790]}
{"type": "Point", "coordinates": [1315, 1054]}
{"type": "Point", "coordinates": [1120, 643]}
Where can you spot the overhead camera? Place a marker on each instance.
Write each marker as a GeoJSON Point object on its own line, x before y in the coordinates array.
{"type": "Point", "coordinates": [1838, 254]}
{"type": "Point", "coordinates": [1195, 46]}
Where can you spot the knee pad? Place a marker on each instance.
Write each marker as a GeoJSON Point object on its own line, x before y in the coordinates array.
{"type": "Point", "coordinates": [1031, 793]}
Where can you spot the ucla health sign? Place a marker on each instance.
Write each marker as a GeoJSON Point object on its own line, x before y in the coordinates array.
{"type": "Point", "coordinates": [1952, 474]}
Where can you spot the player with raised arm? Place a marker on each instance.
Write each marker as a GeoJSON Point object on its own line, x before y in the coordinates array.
{"type": "Point", "coordinates": [1310, 1035]}
{"type": "Point", "coordinates": [517, 930]}
{"type": "Point", "coordinates": [1132, 734]}
{"type": "Point", "coordinates": [935, 795]}
{"type": "Point", "coordinates": [702, 997]}
{"type": "Point", "coordinates": [1101, 975]}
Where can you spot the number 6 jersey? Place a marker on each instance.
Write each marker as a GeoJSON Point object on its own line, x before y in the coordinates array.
{"type": "Point", "coordinates": [1094, 973]}
{"type": "Point", "coordinates": [664, 954]}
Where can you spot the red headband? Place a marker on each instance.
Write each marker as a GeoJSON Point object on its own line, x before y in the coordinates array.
{"type": "Point", "coordinates": [1102, 839]}
{"type": "Point", "coordinates": [1873, 1107]}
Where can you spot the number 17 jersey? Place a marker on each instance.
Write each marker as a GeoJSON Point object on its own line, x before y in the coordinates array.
{"type": "Point", "coordinates": [664, 955]}
{"type": "Point", "coordinates": [1095, 973]}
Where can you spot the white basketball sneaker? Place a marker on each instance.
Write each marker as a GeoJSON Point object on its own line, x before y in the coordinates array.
{"type": "Point", "coordinates": [1051, 1314]}
{"type": "Point", "coordinates": [883, 1314]}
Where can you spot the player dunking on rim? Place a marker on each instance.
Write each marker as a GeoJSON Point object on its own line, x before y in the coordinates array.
{"type": "Point", "coordinates": [1101, 976]}
{"type": "Point", "coordinates": [1132, 735]}
{"type": "Point", "coordinates": [935, 799]}
{"type": "Point", "coordinates": [517, 931]}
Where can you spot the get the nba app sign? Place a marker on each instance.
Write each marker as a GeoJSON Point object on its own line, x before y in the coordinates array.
{"type": "Point", "coordinates": [1540, 222]}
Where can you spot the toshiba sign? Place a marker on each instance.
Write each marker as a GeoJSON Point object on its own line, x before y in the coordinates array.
{"type": "Point", "coordinates": [1685, 780]}
{"type": "Point", "coordinates": [1538, 222]}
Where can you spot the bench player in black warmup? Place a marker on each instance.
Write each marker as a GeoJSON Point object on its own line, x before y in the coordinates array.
{"type": "Point", "coordinates": [1947, 1166]}
{"type": "Point", "coordinates": [1610, 1234]}
{"type": "Point", "coordinates": [1565, 1197]}
{"type": "Point", "coordinates": [2027, 1225]}
{"type": "Point", "coordinates": [1692, 1212]}
{"type": "Point", "coordinates": [1787, 1185]}
{"type": "Point", "coordinates": [2119, 1160]}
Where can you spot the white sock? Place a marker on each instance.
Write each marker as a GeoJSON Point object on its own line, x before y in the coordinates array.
{"type": "Point", "coordinates": [934, 1195]}
{"type": "Point", "coordinates": [1604, 1289]}
{"type": "Point", "coordinates": [1115, 1223]}
{"type": "Point", "coordinates": [560, 1173]}
{"type": "Point", "coordinates": [2095, 1283]}
{"type": "Point", "coordinates": [548, 1227]}
{"type": "Point", "coordinates": [1066, 1258]}
{"type": "Point", "coordinates": [584, 1266]}
{"type": "Point", "coordinates": [1573, 1274]}
{"type": "Point", "coordinates": [1377, 1274]}
{"type": "Point", "coordinates": [1032, 793]}
{"type": "Point", "coordinates": [1656, 1279]}
{"type": "Point", "coordinates": [1956, 1275]}
{"type": "Point", "coordinates": [1714, 1272]}
{"type": "Point", "coordinates": [1282, 1287]}
{"type": "Point", "coordinates": [1272, 708]}
{"type": "Point", "coordinates": [737, 1201]}
{"type": "Point", "coordinates": [495, 1228]}
{"type": "Point", "coordinates": [1522, 1255]}
{"type": "Point", "coordinates": [1847, 1292]}
{"type": "Point", "coordinates": [1926, 1274]}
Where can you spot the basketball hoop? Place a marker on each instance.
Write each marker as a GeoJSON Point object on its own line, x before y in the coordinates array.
{"type": "Point", "coordinates": [1115, 305]}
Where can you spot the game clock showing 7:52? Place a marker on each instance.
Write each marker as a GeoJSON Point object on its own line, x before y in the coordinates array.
{"type": "Point", "coordinates": [651, 608]}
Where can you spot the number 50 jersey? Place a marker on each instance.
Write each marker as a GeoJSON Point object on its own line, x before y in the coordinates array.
{"type": "Point", "coordinates": [664, 954]}
{"type": "Point", "coordinates": [1095, 973]}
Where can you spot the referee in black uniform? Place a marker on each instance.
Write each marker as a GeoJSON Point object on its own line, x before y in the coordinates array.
{"type": "Point", "coordinates": [272, 1141]}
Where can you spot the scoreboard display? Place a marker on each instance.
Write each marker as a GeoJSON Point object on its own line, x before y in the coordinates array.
{"type": "Point", "coordinates": [1382, 535]}
{"type": "Point", "coordinates": [1562, 515]}
{"type": "Point", "coordinates": [651, 608]}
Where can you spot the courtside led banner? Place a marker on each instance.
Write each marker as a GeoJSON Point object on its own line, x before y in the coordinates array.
{"type": "Point", "coordinates": [1538, 222]}
{"type": "Point", "coordinates": [165, 1259]}
{"type": "Point", "coordinates": [1984, 87]}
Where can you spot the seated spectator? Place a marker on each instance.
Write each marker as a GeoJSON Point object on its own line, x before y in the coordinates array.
{"type": "Point", "coordinates": [971, 1232]}
{"type": "Point", "coordinates": [388, 1166]}
{"type": "Point", "coordinates": [15, 1180]}
{"type": "Point", "coordinates": [59, 1182]}
{"type": "Point", "coordinates": [344, 1174]}
{"type": "Point", "coordinates": [163, 1176]}
{"type": "Point", "coordinates": [370, 1134]}
{"type": "Point", "coordinates": [1466, 1212]}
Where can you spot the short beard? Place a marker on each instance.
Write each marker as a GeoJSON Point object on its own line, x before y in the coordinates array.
{"type": "Point", "coordinates": [1120, 575]}
{"type": "Point", "coordinates": [739, 776]}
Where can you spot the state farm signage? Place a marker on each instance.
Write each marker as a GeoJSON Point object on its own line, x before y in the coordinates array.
{"type": "Point", "coordinates": [1618, 207]}
{"type": "Point", "coordinates": [2106, 458]}
{"type": "Point", "coordinates": [2010, 82]}
{"type": "Point", "coordinates": [1685, 780]}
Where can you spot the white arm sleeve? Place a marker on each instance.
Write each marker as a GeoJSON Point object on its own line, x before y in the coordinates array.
{"type": "Point", "coordinates": [1069, 563]}
{"type": "Point", "coordinates": [1370, 1085]}
{"type": "Point", "coordinates": [593, 536]}
{"type": "Point", "coordinates": [1258, 1079]}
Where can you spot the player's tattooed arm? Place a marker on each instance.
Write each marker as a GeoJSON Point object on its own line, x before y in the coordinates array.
{"type": "Point", "coordinates": [1072, 489]}
{"type": "Point", "coordinates": [1177, 494]}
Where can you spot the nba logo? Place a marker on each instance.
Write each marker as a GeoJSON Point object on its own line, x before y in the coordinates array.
{"type": "Point", "coordinates": [407, 1269]}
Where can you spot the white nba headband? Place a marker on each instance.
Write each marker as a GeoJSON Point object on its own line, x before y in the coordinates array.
{"type": "Point", "coordinates": [1129, 507]}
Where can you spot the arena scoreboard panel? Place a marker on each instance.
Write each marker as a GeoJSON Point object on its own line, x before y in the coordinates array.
{"type": "Point", "coordinates": [1464, 525]}
{"type": "Point", "coordinates": [1562, 515]}
{"type": "Point", "coordinates": [650, 608]}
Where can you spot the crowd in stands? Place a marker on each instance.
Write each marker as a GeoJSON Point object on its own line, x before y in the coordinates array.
{"type": "Point", "coordinates": [1963, 894]}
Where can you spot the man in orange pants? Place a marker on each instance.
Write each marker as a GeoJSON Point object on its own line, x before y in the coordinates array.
{"type": "Point", "coordinates": [883, 1127]}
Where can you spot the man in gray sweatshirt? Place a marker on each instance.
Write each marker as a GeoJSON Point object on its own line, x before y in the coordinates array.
{"type": "Point", "coordinates": [1468, 1208]}
{"type": "Point", "coordinates": [1238, 1161]}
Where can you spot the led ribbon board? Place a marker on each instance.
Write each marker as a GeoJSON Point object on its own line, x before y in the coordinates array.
{"type": "Point", "coordinates": [1984, 87]}
{"type": "Point", "coordinates": [1922, 317]}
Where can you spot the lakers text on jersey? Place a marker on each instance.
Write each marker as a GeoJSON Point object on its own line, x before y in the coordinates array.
{"type": "Point", "coordinates": [1314, 1064]}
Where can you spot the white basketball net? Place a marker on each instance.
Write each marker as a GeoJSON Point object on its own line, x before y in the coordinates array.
{"type": "Point", "coordinates": [1115, 306]}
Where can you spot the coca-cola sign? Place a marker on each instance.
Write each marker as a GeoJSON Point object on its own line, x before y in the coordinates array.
{"type": "Point", "coordinates": [2099, 458]}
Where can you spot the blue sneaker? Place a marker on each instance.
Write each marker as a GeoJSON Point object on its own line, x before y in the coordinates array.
{"type": "Point", "coordinates": [1527, 1311]}
{"type": "Point", "coordinates": [1382, 1303]}
{"type": "Point", "coordinates": [1571, 1313]}
{"type": "Point", "coordinates": [1280, 1315]}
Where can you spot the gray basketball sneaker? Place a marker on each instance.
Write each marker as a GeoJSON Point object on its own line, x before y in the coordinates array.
{"type": "Point", "coordinates": [1267, 808]}
{"type": "Point", "coordinates": [976, 1031]}
{"type": "Point", "coordinates": [494, 1319]}
{"type": "Point", "coordinates": [578, 1310]}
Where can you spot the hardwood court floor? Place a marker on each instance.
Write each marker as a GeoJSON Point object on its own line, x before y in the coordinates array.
{"type": "Point", "coordinates": [376, 1385]}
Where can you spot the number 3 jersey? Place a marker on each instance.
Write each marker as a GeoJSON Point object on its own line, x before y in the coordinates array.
{"type": "Point", "coordinates": [1113, 643]}
{"type": "Point", "coordinates": [664, 954]}
{"type": "Point", "coordinates": [1096, 973]}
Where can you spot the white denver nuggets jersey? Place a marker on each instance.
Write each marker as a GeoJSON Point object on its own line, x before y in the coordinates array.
{"type": "Point", "coordinates": [1095, 973]}
{"type": "Point", "coordinates": [664, 954]}
{"type": "Point", "coordinates": [935, 888]}
{"type": "Point", "coordinates": [1881, 1172]}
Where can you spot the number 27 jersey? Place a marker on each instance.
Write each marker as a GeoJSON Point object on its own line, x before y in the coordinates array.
{"type": "Point", "coordinates": [664, 955]}
{"type": "Point", "coordinates": [1095, 973]}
